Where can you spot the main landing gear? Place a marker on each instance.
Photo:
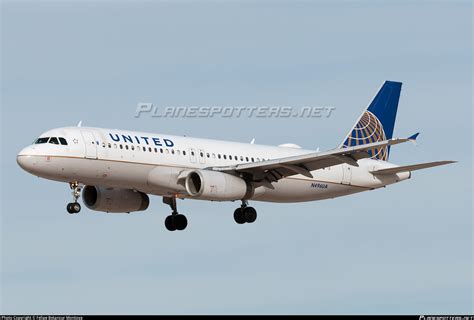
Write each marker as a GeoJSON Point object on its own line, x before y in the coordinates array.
{"type": "Point", "coordinates": [245, 214]}
{"type": "Point", "coordinates": [175, 221]}
{"type": "Point", "coordinates": [74, 207]}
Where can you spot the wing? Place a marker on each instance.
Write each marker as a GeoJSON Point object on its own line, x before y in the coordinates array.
{"type": "Point", "coordinates": [268, 171]}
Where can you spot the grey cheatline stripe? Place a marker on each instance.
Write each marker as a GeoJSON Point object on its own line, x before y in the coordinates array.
{"type": "Point", "coordinates": [347, 185]}
{"type": "Point", "coordinates": [184, 167]}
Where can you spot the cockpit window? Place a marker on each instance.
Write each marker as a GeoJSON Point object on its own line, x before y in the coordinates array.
{"type": "Point", "coordinates": [42, 140]}
{"type": "Point", "coordinates": [52, 140]}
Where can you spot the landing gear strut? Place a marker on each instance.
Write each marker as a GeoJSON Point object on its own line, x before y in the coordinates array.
{"type": "Point", "coordinates": [175, 221]}
{"type": "Point", "coordinates": [245, 214]}
{"type": "Point", "coordinates": [74, 207]}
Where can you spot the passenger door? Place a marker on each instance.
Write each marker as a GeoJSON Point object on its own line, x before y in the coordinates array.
{"type": "Point", "coordinates": [90, 144]}
{"type": "Point", "coordinates": [346, 174]}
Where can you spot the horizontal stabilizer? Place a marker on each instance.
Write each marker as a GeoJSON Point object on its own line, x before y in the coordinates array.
{"type": "Point", "coordinates": [411, 167]}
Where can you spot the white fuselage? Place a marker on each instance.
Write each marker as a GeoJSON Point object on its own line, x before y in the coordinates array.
{"type": "Point", "coordinates": [127, 159]}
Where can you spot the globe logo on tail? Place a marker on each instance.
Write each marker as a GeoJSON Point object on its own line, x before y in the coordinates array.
{"type": "Point", "coordinates": [369, 129]}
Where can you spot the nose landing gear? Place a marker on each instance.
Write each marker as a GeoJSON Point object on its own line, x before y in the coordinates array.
{"type": "Point", "coordinates": [74, 207]}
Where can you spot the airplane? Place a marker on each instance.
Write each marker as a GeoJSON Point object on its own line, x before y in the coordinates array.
{"type": "Point", "coordinates": [116, 170]}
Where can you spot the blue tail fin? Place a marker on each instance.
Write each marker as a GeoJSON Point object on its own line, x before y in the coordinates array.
{"type": "Point", "coordinates": [377, 121]}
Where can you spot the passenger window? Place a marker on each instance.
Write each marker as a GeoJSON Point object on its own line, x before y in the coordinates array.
{"type": "Point", "coordinates": [103, 144]}
{"type": "Point", "coordinates": [235, 157]}
{"type": "Point", "coordinates": [253, 160]}
{"type": "Point", "coordinates": [184, 153]}
{"type": "Point", "coordinates": [133, 148]}
{"type": "Point", "coordinates": [218, 156]}
{"type": "Point", "coordinates": [144, 149]}
{"type": "Point", "coordinates": [241, 158]}
{"type": "Point", "coordinates": [172, 151]}
{"type": "Point", "coordinates": [213, 156]}
{"type": "Point", "coordinates": [247, 159]}
{"type": "Point", "coordinates": [63, 141]}
{"type": "Point", "coordinates": [54, 140]}
{"type": "Point", "coordinates": [225, 157]}
{"type": "Point", "coordinates": [156, 150]}
{"type": "Point", "coordinates": [115, 146]}
{"type": "Point", "coordinates": [208, 155]}
{"type": "Point", "coordinates": [110, 145]}
{"type": "Point", "coordinates": [201, 154]}
{"type": "Point", "coordinates": [121, 147]}
{"type": "Point", "coordinates": [161, 150]}
{"type": "Point", "coordinates": [149, 149]}
{"type": "Point", "coordinates": [42, 140]}
{"type": "Point", "coordinates": [126, 146]}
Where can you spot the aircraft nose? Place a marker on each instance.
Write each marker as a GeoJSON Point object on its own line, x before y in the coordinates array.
{"type": "Point", "coordinates": [26, 159]}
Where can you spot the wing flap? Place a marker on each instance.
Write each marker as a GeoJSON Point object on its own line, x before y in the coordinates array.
{"type": "Point", "coordinates": [275, 169]}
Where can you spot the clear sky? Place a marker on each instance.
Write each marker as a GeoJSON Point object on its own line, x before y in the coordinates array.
{"type": "Point", "coordinates": [404, 249]}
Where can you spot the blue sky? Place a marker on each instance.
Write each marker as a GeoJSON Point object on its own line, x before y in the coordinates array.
{"type": "Point", "coordinates": [404, 249]}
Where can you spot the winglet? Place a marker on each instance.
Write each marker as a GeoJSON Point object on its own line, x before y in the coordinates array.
{"type": "Point", "coordinates": [412, 138]}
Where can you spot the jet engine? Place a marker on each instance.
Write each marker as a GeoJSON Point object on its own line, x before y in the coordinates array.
{"type": "Point", "coordinates": [114, 199]}
{"type": "Point", "coordinates": [218, 186]}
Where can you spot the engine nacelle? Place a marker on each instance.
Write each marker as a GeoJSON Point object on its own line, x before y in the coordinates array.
{"type": "Point", "coordinates": [218, 186]}
{"type": "Point", "coordinates": [114, 199]}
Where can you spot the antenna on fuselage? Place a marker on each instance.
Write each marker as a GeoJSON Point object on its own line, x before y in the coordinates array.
{"type": "Point", "coordinates": [79, 124]}
{"type": "Point", "coordinates": [253, 141]}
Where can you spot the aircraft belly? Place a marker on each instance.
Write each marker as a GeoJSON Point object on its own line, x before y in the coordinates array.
{"type": "Point", "coordinates": [95, 172]}
{"type": "Point", "coordinates": [299, 190]}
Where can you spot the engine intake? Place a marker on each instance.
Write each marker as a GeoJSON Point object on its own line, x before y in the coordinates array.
{"type": "Point", "coordinates": [219, 186]}
{"type": "Point", "coordinates": [114, 199]}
